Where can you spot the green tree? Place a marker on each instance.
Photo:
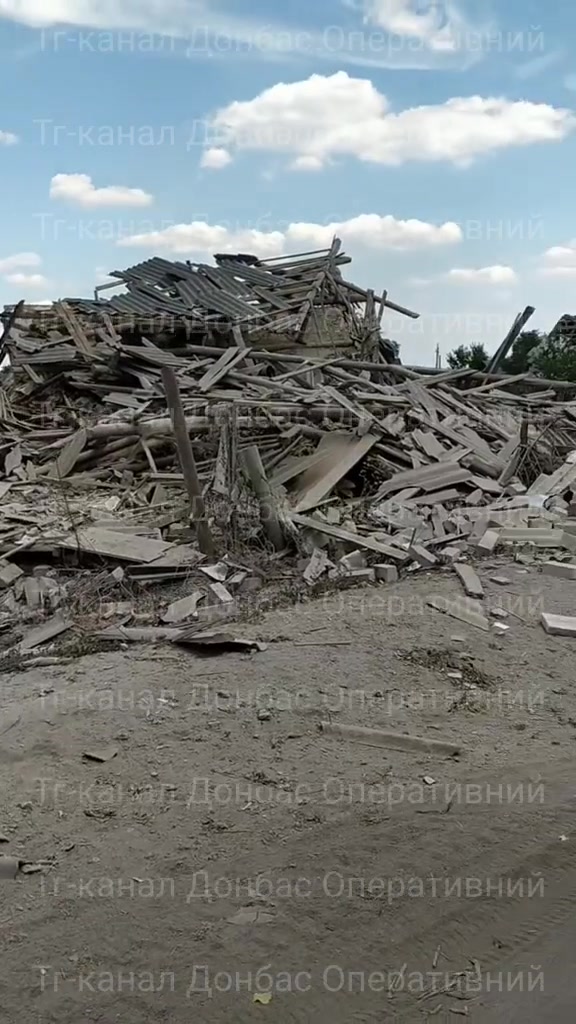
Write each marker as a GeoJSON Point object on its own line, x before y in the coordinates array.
{"type": "Point", "coordinates": [475, 357]}
{"type": "Point", "coordinates": [518, 360]}
{"type": "Point", "coordinates": [554, 358]}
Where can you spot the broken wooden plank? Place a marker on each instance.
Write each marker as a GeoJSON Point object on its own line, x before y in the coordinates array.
{"type": "Point", "coordinates": [435, 498]}
{"type": "Point", "coordinates": [431, 478]}
{"type": "Point", "coordinates": [68, 457]}
{"type": "Point", "coordinates": [348, 537]}
{"type": "Point", "coordinates": [341, 456]}
{"type": "Point", "coordinates": [183, 609]}
{"type": "Point", "coordinates": [229, 358]}
{"type": "Point", "coordinates": [393, 740]}
{"type": "Point", "coordinates": [106, 543]}
{"type": "Point", "coordinates": [47, 631]}
{"type": "Point", "coordinates": [460, 610]}
{"type": "Point", "coordinates": [252, 463]}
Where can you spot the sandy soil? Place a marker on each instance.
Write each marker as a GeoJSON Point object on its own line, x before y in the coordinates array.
{"type": "Point", "coordinates": [230, 851]}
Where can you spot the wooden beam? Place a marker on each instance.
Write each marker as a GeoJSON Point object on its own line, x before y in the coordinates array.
{"type": "Point", "coordinates": [187, 463]}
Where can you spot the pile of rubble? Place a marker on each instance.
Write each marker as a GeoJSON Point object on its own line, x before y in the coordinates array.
{"type": "Point", "coordinates": [308, 472]}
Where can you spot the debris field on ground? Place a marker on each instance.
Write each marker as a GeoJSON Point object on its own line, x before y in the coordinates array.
{"type": "Point", "coordinates": [172, 456]}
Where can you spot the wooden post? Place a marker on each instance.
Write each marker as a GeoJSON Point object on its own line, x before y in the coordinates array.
{"type": "Point", "coordinates": [255, 470]}
{"type": "Point", "coordinates": [187, 463]}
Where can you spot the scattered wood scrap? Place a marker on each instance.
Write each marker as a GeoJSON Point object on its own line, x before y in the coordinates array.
{"type": "Point", "coordinates": [270, 439]}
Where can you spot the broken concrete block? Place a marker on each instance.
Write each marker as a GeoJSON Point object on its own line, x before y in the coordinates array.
{"type": "Point", "coordinates": [558, 625]}
{"type": "Point", "coordinates": [501, 628]}
{"type": "Point", "coordinates": [251, 585]}
{"type": "Point", "coordinates": [421, 555]}
{"type": "Point", "coordinates": [568, 525]}
{"type": "Point", "coordinates": [216, 572]}
{"type": "Point", "coordinates": [453, 552]}
{"type": "Point", "coordinates": [354, 560]}
{"type": "Point", "coordinates": [238, 578]}
{"type": "Point", "coordinates": [183, 609]}
{"type": "Point", "coordinates": [356, 576]}
{"type": "Point", "coordinates": [567, 540]}
{"type": "Point", "coordinates": [515, 487]}
{"type": "Point", "coordinates": [9, 572]}
{"type": "Point", "coordinates": [469, 579]}
{"type": "Point", "coordinates": [535, 535]}
{"type": "Point", "coordinates": [474, 498]}
{"type": "Point", "coordinates": [221, 592]}
{"type": "Point", "coordinates": [32, 592]}
{"type": "Point", "coordinates": [316, 566]}
{"type": "Point", "coordinates": [566, 570]}
{"type": "Point", "coordinates": [488, 541]}
{"type": "Point", "coordinates": [50, 592]}
{"type": "Point", "coordinates": [386, 573]}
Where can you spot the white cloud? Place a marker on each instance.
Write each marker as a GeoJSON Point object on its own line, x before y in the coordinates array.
{"type": "Point", "coordinates": [483, 275]}
{"type": "Point", "coordinates": [12, 270]}
{"type": "Point", "coordinates": [557, 272]}
{"type": "Point", "coordinates": [559, 261]}
{"type": "Point", "coordinates": [324, 117]}
{"type": "Point", "coordinates": [444, 38]}
{"type": "Point", "coordinates": [8, 139]}
{"type": "Point", "coordinates": [368, 231]}
{"type": "Point", "coordinates": [27, 280]}
{"type": "Point", "coordinates": [307, 163]}
{"type": "Point", "coordinates": [561, 255]}
{"type": "Point", "coordinates": [19, 260]}
{"type": "Point", "coordinates": [440, 26]}
{"type": "Point", "coordinates": [375, 232]}
{"type": "Point", "coordinates": [215, 159]}
{"type": "Point", "coordinates": [199, 237]}
{"type": "Point", "coordinates": [79, 190]}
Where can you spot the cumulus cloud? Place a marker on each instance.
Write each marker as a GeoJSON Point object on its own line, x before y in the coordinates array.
{"type": "Point", "coordinates": [324, 117]}
{"type": "Point", "coordinates": [27, 280]}
{"type": "Point", "coordinates": [13, 270]}
{"type": "Point", "coordinates": [368, 230]}
{"type": "Point", "coordinates": [18, 261]}
{"type": "Point", "coordinates": [8, 139]}
{"type": "Point", "coordinates": [79, 190]}
{"type": "Point", "coordinates": [215, 158]}
{"type": "Point", "coordinates": [561, 255]}
{"type": "Point", "coordinates": [559, 261]}
{"type": "Point", "coordinates": [376, 232]}
{"type": "Point", "coordinates": [483, 275]}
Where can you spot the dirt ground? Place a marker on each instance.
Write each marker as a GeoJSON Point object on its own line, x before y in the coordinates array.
{"type": "Point", "coordinates": [231, 852]}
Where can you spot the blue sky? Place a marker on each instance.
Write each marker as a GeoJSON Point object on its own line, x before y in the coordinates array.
{"type": "Point", "coordinates": [436, 138]}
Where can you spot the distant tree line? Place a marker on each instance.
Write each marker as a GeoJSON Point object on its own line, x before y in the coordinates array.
{"type": "Point", "coordinates": [532, 352]}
